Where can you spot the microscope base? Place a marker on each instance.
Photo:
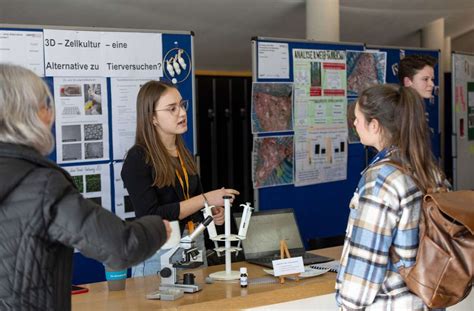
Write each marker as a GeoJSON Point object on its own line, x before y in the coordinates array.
{"type": "Point", "coordinates": [187, 288]}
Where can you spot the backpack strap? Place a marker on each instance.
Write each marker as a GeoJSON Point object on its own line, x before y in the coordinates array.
{"type": "Point", "coordinates": [392, 163]}
{"type": "Point", "coordinates": [397, 262]}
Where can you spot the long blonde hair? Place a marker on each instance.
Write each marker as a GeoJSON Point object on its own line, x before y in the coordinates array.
{"type": "Point", "coordinates": [147, 137]}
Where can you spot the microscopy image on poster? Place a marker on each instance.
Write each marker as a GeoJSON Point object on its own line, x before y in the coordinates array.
{"type": "Point", "coordinates": [364, 69]}
{"type": "Point", "coordinates": [82, 130]}
{"type": "Point", "coordinates": [272, 107]}
{"type": "Point", "coordinates": [93, 182]}
{"type": "Point", "coordinates": [93, 100]}
{"type": "Point", "coordinates": [352, 133]}
{"type": "Point", "coordinates": [272, 161]}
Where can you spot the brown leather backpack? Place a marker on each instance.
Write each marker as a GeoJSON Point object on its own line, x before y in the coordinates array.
{"type": "Point", "coordinates": [443, 272]}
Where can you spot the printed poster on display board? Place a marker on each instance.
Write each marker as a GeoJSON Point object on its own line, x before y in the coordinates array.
{"type": "Point", "coordinates": [320, 116]}
{"type": "Point", "coordinates": [272, 161]}
{"type": "Point", "coordinates": [93, 182]}
{"type": "Point", "coordinates": [320, 155]}
{"type": "Point", "coordinates": [73, 53]}
{"type": "Point", "coordinates": [272, 107]}
{"type": "Point", "coordinates": [82, 128]}
{"type": "Point", "coordinates": [124, 93]}
{"type": "Point", "coordinates": [364, 69]}
{"type": "Point", "coordinates": [24, 48]}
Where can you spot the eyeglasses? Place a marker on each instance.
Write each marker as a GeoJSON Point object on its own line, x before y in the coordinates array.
{"type": "Point", "coordinates": [174, 109]}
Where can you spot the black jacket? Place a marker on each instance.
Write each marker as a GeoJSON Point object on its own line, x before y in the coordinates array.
{"type": "Point", "coordinates": [147, 199]}
{"type": "Point", "coordinates": [42, 218]}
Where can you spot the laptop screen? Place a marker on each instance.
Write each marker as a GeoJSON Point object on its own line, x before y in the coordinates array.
{"type": "Point", "coordinates": [266, 229]}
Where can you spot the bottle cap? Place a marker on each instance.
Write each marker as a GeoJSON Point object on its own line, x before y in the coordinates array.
{"type": "Point", "coordinates": [243, 269]}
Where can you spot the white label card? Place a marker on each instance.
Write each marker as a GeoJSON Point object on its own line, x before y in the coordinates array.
{"type": "Point", "coordinates": [287, 266]}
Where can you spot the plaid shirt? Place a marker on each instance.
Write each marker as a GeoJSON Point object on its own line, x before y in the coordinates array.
{"type": "Point", "coordinates": [384, 212]}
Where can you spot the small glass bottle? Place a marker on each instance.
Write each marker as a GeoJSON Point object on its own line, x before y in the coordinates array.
{"type": "Point", "coordinates": [243, 277]}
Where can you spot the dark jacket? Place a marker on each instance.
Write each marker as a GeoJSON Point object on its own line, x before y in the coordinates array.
{"type": "Point", "coordinates": [147, 199]}
{"type": "Point", "coordinates": [42, 218]}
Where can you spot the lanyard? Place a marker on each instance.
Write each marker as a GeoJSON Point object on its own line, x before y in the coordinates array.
{"type": "Point", "coordinates": [186, 178]}
{"type": "Point", "coordinates": [185, 190]}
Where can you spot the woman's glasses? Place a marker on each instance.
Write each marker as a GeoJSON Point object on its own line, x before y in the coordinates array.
{"type": "Point", "coordinates": [174, 109]}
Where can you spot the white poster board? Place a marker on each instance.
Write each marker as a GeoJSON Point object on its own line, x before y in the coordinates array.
{"type": "Point", "coordinates": [463, 120]}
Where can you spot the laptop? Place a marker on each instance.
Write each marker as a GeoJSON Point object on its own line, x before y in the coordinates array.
{"type": "Point", "coordinates": [266, 229]}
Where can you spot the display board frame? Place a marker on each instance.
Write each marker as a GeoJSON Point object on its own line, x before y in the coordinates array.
{"type": "Point", "coordinates": [322, 209]}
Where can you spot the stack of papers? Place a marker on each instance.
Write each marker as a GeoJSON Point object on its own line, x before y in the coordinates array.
{"type": "Point", "coordinates": [308, 272]}
{"type": "Point", "coordinates": [332, 266]}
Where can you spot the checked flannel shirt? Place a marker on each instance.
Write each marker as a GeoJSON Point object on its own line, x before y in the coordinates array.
{"type": "Point", "coordinates": [384, 212]}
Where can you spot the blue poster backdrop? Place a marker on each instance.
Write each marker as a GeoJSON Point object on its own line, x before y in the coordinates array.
{"type": "Point", "coordinates": [322, 209]}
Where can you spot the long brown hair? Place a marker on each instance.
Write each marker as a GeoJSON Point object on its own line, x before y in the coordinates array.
{"type": "Point", "coordinates": [400, 112]}
{"type": "Point", "coordinates": [148, 138]}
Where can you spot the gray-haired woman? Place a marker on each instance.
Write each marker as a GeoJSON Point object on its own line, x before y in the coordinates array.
{"type": "Point", "coordinates": [43, 217]}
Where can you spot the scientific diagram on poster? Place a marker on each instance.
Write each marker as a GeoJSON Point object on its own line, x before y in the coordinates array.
{"type": "Point", "coordinates": [272, 161]}
{"type": "Point", "coordinates": [364, 69]}
{"type": "Point", "coordinates": [82, 130]}
{"type": "Point", "coordinates": [320, 88]}
{"type": "Point", "coordinates": [272, 107]}
{"type": "Point", "coordinates": [93, 182]}
{"type": "Point", "coordinates": [320, 155]}
{"type": "Point", "coordinates": [320, 72]}
{"type": "Point", "coordinates": [320, 116]}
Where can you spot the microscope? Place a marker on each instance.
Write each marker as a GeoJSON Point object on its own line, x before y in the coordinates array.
{"type": "Point", "coordinates": [182, 256]}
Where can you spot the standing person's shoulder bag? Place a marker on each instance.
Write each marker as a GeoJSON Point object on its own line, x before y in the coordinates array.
{"type": "Point", "coordinates": [443, 272]}
{"type": "Point", "coordinates": [444, 269]}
